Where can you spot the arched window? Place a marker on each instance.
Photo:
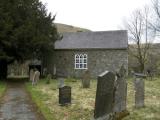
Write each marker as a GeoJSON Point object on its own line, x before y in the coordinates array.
{"type": "Point", "coordinates": [81, 61]}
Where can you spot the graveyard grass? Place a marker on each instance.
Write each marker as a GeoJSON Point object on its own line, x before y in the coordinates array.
{"type": "Point", "coordinates": [2, 88]}
{"type": "Point", "coordinates": [151, 111]}
{"type": "Point", "coordinates": [83, 100]}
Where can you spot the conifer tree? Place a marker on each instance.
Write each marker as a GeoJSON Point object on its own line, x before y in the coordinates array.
{"type": "Point", "coordinates": [25, 28]}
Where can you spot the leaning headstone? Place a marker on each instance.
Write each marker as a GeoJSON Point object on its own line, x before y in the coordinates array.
{"type": "Point", "coordinates": [104, 102]}
{"type": "Point", "coordinates": [120, 94]}
{"type": "Point", "coordinates": [65, 95]}
{"type": "Point", "coordinates": [31, 74]}
{"type": "Point", "coordinates": [36, 77]}
{"type": "Point", "coordinates": [86, 79]}
{"type": "Point", "coordinates": [139, 91]}
{"type": "Point", "coordinates": [60, 82]}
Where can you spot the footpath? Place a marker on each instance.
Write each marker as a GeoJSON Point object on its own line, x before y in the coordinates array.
{"type": "Point", "coordinates": [16, 104]}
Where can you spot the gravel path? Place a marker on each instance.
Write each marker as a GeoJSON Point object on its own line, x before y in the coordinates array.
{"type": "Point", "coordinates": [17, 105]}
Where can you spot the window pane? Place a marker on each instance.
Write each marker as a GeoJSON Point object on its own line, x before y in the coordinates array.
{"type": "Point", "coordinates": [85, 60]}
{"type": "Point", "coordinates": [85, 65]}
{"type": "Point", "coordinates": [77, 65]}
{"type": "Point", "coordinates": [81, 56]}
{"type": "Point", "coordinates": [77, 60]}
{"type": "Point", "coordinates": [77, 56]}
{"type": "Point", "coordinates": [85, 56]}
{"type": "Point", "coordinates": [81, 65]}
{"type": "Point", "coordinates": [81, 60]}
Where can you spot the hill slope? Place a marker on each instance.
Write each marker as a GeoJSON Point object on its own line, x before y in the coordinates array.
{"type": "Point", "coordinates": [68, 28]}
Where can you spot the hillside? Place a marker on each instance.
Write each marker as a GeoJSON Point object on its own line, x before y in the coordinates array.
{"type": "Point", "coordinates": [68, 28]}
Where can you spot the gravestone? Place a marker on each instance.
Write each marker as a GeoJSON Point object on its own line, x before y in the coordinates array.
{"type": "Point", "coordinates": [65, 95]}
{"type": "Point", "coordinates": [86, 79]}
{"type": "Point", "coordinates": [36, 77]}
{"type": "Point", "coordinates": [139, 92]}
{"type": "Point", "coordinates": [49, 77]}
{"type": "Point", "coordinates": [60, 82]}
{"type": "Point", "coordinates": [104, 102]}
{"type": "Point", "coordinates": [120, 94]}
{"type": "Point", "coordinates": [31, 74]}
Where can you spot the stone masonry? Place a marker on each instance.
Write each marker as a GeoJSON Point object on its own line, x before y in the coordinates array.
{"type": "Point", "coordinates": [98, 61]}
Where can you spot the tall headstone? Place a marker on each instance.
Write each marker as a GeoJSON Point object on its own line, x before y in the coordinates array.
{"type": "Point", "coordinates": [104, 102]}
{"type": "Point", "coordinates": [120, 94]}
{"type": "Point", "coordinates": [65, 95]}
{"type": "Point", "coordinates": [86, 79]}
{"type": "Point", "coordinates": [139, 92]}
{"type": "Point", "coordinates": [36, 77]}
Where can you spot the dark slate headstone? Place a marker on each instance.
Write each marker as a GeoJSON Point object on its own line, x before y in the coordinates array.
{"type": "Point", "coordinates": [105, 96]}
{"type": "Point", "coordinates": [65, 95]}
{"type": "Point", "coordinates": [120, 94]}
{"type": "Point", "coordinates": [86, 79]}
{"type": "Point", "coordinates": [139, 92]}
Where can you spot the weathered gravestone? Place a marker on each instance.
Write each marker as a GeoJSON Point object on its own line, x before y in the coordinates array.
{"type": "Point", "coordinates": [49, 77]}
{"type": "Point", "coordinates": [120, 94]}
{"type": "Point", "coordinates": [60, 82]}
{"type": "Point", "coordinates": [65, 95]}
{"type": "Point", "coordinates": [104, 102]}
{"type": "Point", "coordinates": [86, 79]}
{"type": "Point", "coordinates": [139, 90]}
{"type": "Point", "coordinates": [36, 77]}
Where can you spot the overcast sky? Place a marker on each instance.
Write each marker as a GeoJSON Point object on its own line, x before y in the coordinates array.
{"type": "Point", "coordinates": [96, 15]}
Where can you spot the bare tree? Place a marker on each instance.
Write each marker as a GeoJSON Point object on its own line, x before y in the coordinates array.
{"type": "Point", "coordinates": [155, 24]}
{"type": "Point", "coordinates": [137, 27]}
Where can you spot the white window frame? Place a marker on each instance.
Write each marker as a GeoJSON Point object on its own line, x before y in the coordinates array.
{"type": "Point", "coordinates": [80, 61]}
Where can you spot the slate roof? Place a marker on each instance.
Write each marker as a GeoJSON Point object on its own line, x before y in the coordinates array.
{"type": "Point", "coordinates": [94, 40]}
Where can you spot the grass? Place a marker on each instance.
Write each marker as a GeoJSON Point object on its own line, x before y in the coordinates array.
{"type": "Point", "coordinates": [83, 101]}
{"type": "Point", "coordinates": [151, 111]}
{"type": "Point", "coordinates": [2, 87]}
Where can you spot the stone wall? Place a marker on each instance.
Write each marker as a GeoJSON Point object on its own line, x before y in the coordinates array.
{"type": "Point", "coordinates": [98, 61]}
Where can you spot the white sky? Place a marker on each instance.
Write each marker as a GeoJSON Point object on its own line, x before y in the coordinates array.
{"type": "Point", "coordinates": [96, 15]}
